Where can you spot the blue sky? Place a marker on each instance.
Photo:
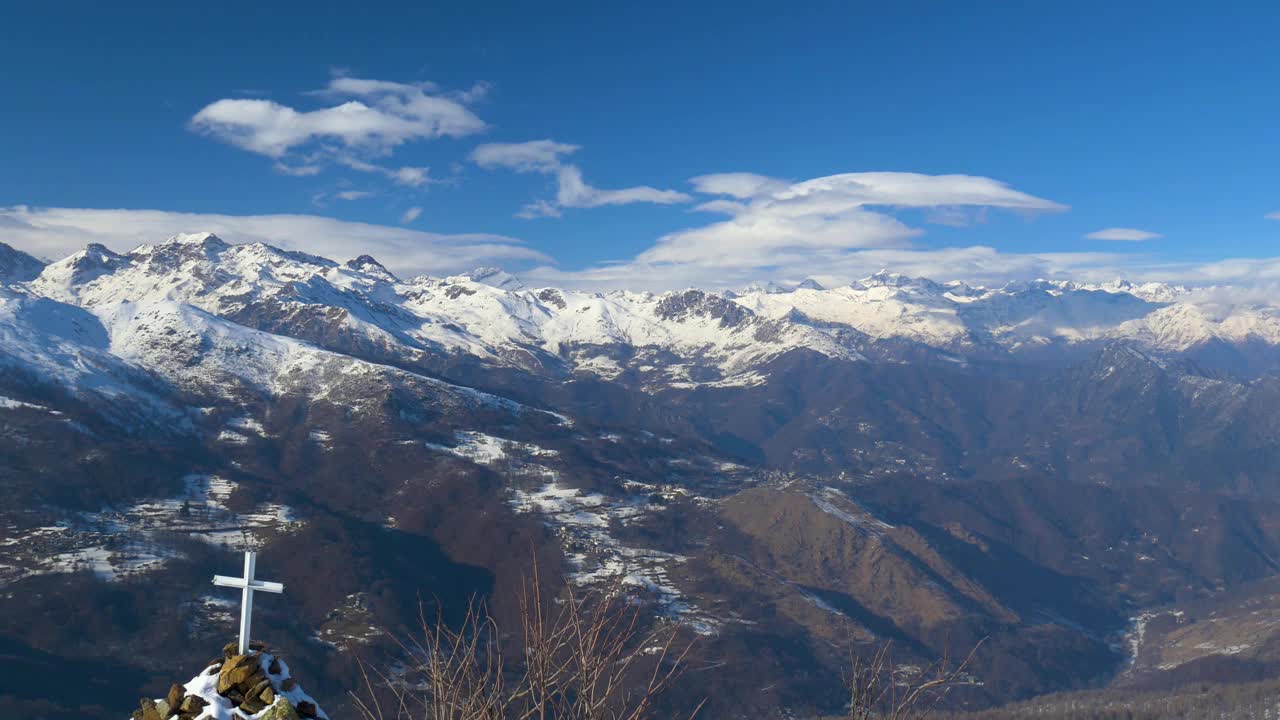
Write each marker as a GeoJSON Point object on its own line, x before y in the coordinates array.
{"type": "Point", "coordinates": [1139, 116]}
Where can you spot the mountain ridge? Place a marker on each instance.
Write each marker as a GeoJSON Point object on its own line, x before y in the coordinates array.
{"type": "Point", "coordinates": [692, 332]}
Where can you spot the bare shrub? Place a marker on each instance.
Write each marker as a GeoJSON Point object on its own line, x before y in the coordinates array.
{"type": "Point", "coordinates": [585, 657]}
{"type": "Point", "coordinates": [875, 690]}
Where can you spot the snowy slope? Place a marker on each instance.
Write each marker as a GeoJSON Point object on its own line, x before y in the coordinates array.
{"type": "Point", "coordinates": [487, 314]}
{"type": "Point", "coordinates": [955, 316]}
{"type": "Point", "coordinates": [255, 313]}
{"type": "Point", "coordinates": [65, 346]}
{"type": "Point", "coordinates": [17, 266]}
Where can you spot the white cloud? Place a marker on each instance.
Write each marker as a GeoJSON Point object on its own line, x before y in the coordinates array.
{"type": "Point", "coordinates": [832, 268]}
{"type": "Point", "coordinates": [1122, 234]}
{"type": "Point", "coordinates": [386, 114]}
{"type": "Point", "coordinates": [772, 221]}
{"type": "Point", "coordinates": [541, 156]}
{"type": "Point", "coordinates": [476, 93]}
{"type": "Point", "coordinates": [410, 215]}
{"type": "Point", "coordinates": [56, 232]}
{"type": "Point", "coordinates": [1273, 216]}
{"type": "Point", "coordinates": [834, 229]}
{"type": "Point", "coordinates": [738, 185]}
{"type": "Point", "coordinates": [544, 157]}
{"type": "Point", "coordinates": [297, 170]}
{"type": "Point", "coordinates": [410, 176]}
{"type": "Point", "coordinates": [368, 120]}
{"type": "Point", "coordinates": [353, 195]}
{"type": "Point", "coordinates": [575, 193]}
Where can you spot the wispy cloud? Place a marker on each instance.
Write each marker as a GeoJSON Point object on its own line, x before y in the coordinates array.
{"type": "Point", "coordinates": [834, 229]}
{"type": "Point", "coordinates": [353, 195]}
{"type": "Point", "coordinates": [1122, 235]}
{"type": "Point", "coordinates": [410, 215]}
{"type": "Point", "coordinates": [56, 232]}
{"type": "Point", "coordinates": [533, 156]}
{"type": "Point", "coordinates": [979, 264]}
{"type": "Point", "coordinates": [383, 115]}
{"type": "Point", "coordinates": [406, 175]}
{"type": "Point", "coordinates": [772, 221]}
{"type": "Point", "coordinates": [366, 120]}
{"type": "Point", "coordinates": [301, 170]}
{"type": "Point", "coordinates": [544, 157]}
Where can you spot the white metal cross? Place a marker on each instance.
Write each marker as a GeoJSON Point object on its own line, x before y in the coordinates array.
{"type": "Point", "coordinates": [248, 586]}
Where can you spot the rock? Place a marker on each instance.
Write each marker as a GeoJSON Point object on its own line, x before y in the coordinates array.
{"type": "Point", "coordinates": [252, 706]}
{"type": "Point", "coordinates": [306, 709]}
{"type": "Point", "coordinates": [237, 661]}
{"type": "Point", "coordinates": [232, 649]}
{"type": "Point", "coordinates": [149, 711]}
{"type": "Point", "coordinates": [274, 668]}
{"type": "Point", "coordinates": [236, 671]}
{"type": "Point", "coordinates": [162, 708]}
{"type": "Point", "coordinates": [235, 696]}
{"type": "Point", "coordinates": [268, 695]}
{"type": "Point", "coordinates": [192, 704]}
{"type": "Point", "coordinates": [288, 684]}
{"type": "Point", "coordinates": [246, 687]}
{"type": "Point", "coordinates": [174, 698]}
{"type": "Point", "coordinates": [280, 710]}
{"type": "Point", "coordinates": [257, 689]}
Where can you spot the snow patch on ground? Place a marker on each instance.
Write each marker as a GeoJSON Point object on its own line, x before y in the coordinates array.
{"type": "Point", "coordinates": [829, 501]}
{"type": "Point", "coordinates": [115, 543]}
{"type": "Point", "coordinates": [11, 404]}
{"type": "Point", "coordinates": [485, 449]}
{"type": "Point", "coordinates": [598, 559]}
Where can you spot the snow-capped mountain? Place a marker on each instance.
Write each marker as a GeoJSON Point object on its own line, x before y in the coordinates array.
{"type": "Point", "coordinates": [360, 308]}
{"type": "Point", "coordinates": [960, 317]}
{"type": "Point", "coordinates": [197, 289]}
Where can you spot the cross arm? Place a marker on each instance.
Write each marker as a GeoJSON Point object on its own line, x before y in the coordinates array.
{"type": "Point", "coordinates": [235, 582]}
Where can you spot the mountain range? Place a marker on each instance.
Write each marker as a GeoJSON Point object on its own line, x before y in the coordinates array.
{"type": "Point", "coordinates": [1083, 474]}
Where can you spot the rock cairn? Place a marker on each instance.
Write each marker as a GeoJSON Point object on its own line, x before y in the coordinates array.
{"type": "Point", "coordinates": [254, 685]}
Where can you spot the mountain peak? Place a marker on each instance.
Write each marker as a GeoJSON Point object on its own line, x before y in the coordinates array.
{"type": "Point", "coordinates": [199, 238]}
{"type": "Point", "coordinates": [884, 278]}
{"type": "Point", "coordinates": [369, 265]}
{"type": "Point", "coordinates": [97, 251]}
{"type": "Point", "coordinates": [495, 277]}
{"type": "Point", "coordinates": [94, 261]}
{"type": "Point", "coordinates": [1152, 291]}
{"type": "Point", "coordinates": [768, 287]}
